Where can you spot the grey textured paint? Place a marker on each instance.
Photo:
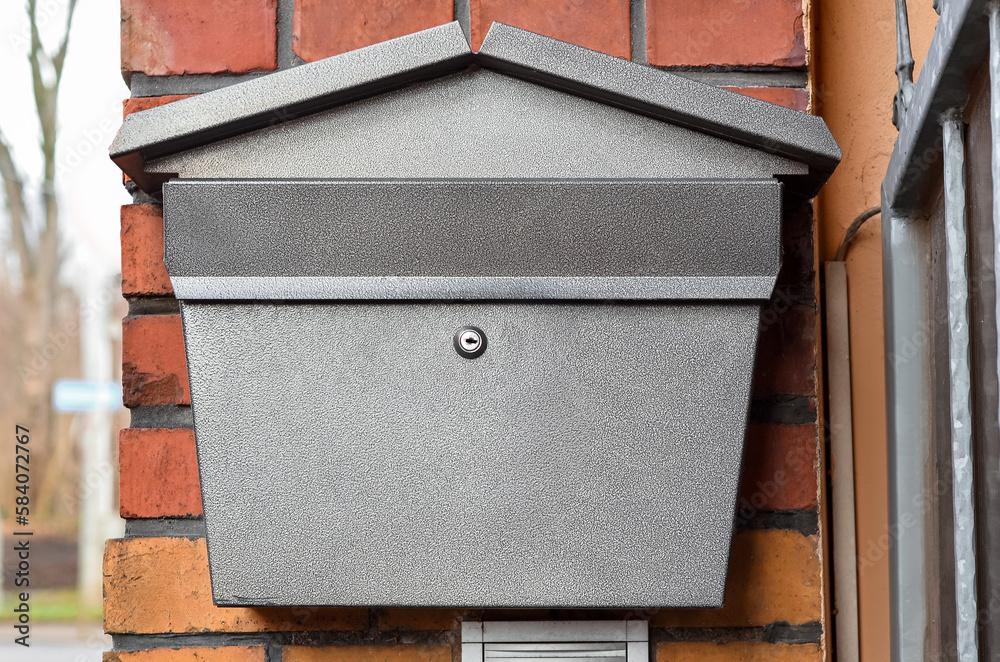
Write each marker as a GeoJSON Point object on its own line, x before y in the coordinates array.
{"type": "Point", "coordinates": [566, 641]}
{"type": "Point", "coordinates": [960, 387]}
{"type": "Point", "coordinates": [665, 96]}
{"type": "Point", "coordinates": [506, 239]}
{"type": "Point", "coordinates": [590, 457]}
{"type": "Point", "coordinates": [957, 49]}
{"type": "Point", "coordinates": [300, 288]}
{"type": "Point", "coordinates": [283, 96]}
{"type": "Point", "coordinates": [476, 123]}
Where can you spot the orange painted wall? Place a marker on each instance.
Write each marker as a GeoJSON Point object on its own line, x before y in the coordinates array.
{"type": "Point", "coordinates": [855, 58]}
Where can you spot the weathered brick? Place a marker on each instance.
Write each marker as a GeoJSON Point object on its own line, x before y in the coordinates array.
{"type": "Point", "coordinates": [795, 98]}
{"type": "Point", "coordinates": [321, 28]}
{"type": "Point", "coordinates": [779, 469]}
{"type": "Point", "coordinates": [143, 271]}
{"type": "Point", "coordinates": [600, 25]}
{"type": "Point", "coordinates": [223, 654]}
{"type": "Point", "coordinates": [418, 619]}
{"type": "Point", "coordinates": [774, 577]}
{"type": "Point", "coordinates": [139, 104]}
{"type": "Point", "coordinates": [154, 368]}
{"type": "Point", "coordinates": [786, 353]}
{"type": "Point", "coordinates": [737, 651]}
{"type": "Point", "coordinates": [197, 37]}
{"type": "Point", "coordinates": [753, 33]}
{"type": "Point", "coordinates": [159, 473]}
{"type": "Point", "coordinates": [417, 653]}
{"type": "Point", "coordinates": [161, 585]}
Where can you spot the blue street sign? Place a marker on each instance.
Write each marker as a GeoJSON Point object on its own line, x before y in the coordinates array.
{"type": "Point", "coordinates": [78, 395]}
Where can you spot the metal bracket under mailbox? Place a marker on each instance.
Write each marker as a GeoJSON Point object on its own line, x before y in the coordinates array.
{"type": "Point", "coordinates": [555, 641]}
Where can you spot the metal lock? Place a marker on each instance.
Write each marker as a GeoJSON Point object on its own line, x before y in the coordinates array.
{"type": "Point", "coordinates": [470, 342]}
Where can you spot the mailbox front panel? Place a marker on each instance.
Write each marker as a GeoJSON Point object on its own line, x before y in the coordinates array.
{"type": "Point", "coordinates": [589, 457]}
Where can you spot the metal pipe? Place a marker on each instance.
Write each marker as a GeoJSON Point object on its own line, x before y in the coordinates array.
{"type": "Point", "coordinates": [845, 566]}
{"type": "Point", "coordinates": [909, 422]}
{"type": "Point", "coordinates": [960, 386]}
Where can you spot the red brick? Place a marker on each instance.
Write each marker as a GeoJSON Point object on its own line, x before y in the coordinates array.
{"type": "Point", "coordinates": [786, 354]}
{"type": "Point", "coordinates": [159, 473]}
{"type": "Point", "coordinates": [321, 28]}
{"type": "Point", "coordinates": [143, 272]}
{"type": "Point", "coordinates": [795, 98]}
{"type": "Point", "coordinates": [600, 25]}
{"type": "Point", "coordinates": [762, 33]}
{"type": "Point", "coordinates": [139, 104]}
{"type": "Point", "coordinates": [154, 368]}
{"type": "Point", "coordinates": [779, 469]}
{"type": "Point", "coordinates": [198, 37]}
{"type": "Point", "coordinates": [161, 585]}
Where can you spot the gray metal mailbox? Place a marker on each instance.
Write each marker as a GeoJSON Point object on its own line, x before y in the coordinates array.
{"type": "Point", "coordinates": [472, 329]}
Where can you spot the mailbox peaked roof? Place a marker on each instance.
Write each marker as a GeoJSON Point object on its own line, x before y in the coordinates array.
{"type": "Point", "coordinates": [287, 95]}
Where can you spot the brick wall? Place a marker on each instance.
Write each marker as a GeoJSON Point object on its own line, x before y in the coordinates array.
{"type": "Point", "coordinates": [157, 594]}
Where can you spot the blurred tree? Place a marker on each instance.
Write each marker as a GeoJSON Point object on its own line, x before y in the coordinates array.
{"type": "Point", "coordinates": [40, 324]}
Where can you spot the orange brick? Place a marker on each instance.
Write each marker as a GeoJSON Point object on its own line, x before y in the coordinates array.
{"type": "Point", "coordinates": [737, 651]}
{"type": "Point", "coordinates": [161, 585]}
{"type": "Point", "coordinates": [420, 653]}
{"type": "Point", "coordinates": [795, 98]}
{"type": "Point", "coordinates": [154, 368]}
{"type": "Point", "coordinates": [143, 272]}
{"type": "Point", "coordinates": [774, 577]}
{"type": "Point", "coordinates": [600, 25]}
{"type": "Point", "coordinates": [139, 104]}
{"type": "Point", "coordinates": [159, 473]}
{"type": "Point", "coordinates": [759, 33]}
{"type": "Point", "coordinates": [224, 654]}
{"type": "Point", "coordinates": [321, 28]}
{"type": "Point", "coordinates": [786, 353]}
{"type": "Point", "coordinates": [779, 469]}
{"type": "Point", "coordinates": [197, 37]}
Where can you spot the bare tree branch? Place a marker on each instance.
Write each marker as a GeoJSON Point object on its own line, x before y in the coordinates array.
{"type": "Point", "coordinates": [14, 198]}
{"type": "Point", "coordinates": [60, 57]}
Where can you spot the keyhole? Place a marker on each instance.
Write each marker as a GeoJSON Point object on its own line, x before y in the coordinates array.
{"type": "Point", "coordinates": [470, 342]}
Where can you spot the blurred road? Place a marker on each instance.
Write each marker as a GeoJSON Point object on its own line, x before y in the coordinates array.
{"type": "Point", "coordinates": [51, 642]}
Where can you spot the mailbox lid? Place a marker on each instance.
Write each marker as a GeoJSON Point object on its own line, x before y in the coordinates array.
{"type": "Point", "coordinates": [472, 239]}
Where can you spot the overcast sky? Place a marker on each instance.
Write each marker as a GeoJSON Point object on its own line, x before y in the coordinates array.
{"type": "Point", "coordinates": [89, 185]}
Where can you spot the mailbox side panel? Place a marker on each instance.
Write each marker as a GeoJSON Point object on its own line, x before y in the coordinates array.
{"type": "Point", "coordinates": [589, 458]}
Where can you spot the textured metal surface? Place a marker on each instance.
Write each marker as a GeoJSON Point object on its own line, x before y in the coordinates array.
{"type": "Point", "coordinates": [960, 387]}
{"type": "Point", "coordinates": [607, 641]}
{"type": "Point", "coordinates": [590, 457]}
{"type": "Point", "coordinates": [279, 97]}
{"type": "Point", "coordinates": [472, 239]}
{"type": "Point", "coordinates": [476, 123]}
{"type": "Point", "coordinates": [467, 288]}
{"type": "Point", "coordinates": [611, 80]}
{"type": "Point", "coordinates": [956, 51]}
